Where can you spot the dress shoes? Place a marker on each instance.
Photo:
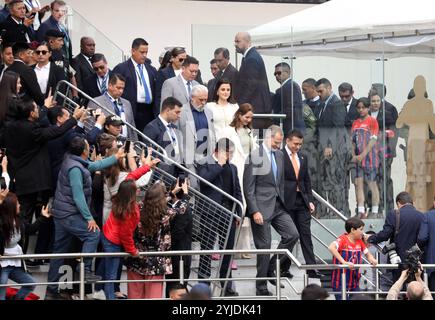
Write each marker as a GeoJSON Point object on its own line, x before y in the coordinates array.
{"type": "Point", "coordinates": [231, 293]}
{"type": "Point", "coordinates": [273, 281]}
{"type": "Point", "coordinates": [315, 274]}
{"type": "Point", "coordinates": [286, 274]}
{"type": "Point", "coordinates": [263, 292]}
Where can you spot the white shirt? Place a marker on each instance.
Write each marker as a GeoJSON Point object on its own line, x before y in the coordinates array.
{"type": "Point", "coordinates": [246, 52]}
{"type": "Point", "coordinates": [289, 152]}
{"type": "Point", "coordinates": [42, 74]}
{"type": "Point", "coordinates": [171, 133]}
{"type": "Point", "coordinates": [88, 59]}
{"type": "Point", "coordinates": [100, 82]}
{"type": "Point", "coordinates": [374, 114]}
{"type": "Point", "coordinates": [348, 106]}
{"type": "Point", "coordinates": [124, 127]}
{"type": "Point", "coordinates": [177, 72]}
{"type": "Point", "coordinates": [140, 88]}
{"type": "Point", "coordinates": [185, 86]}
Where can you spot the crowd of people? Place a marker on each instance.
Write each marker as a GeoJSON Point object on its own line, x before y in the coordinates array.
{"type": "Point", "coordinates": [81, 184]}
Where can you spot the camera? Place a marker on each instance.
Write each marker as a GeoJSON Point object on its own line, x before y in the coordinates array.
{"type": "Point", "coordinates": [412, 261]}
{"type": "Point", "coordinates": [390, 251]}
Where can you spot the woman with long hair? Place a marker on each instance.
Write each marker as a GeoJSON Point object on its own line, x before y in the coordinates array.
{"type": "Point", "coordinates": [240, 132]}
{"type": "Point", "coordinates": [11, 230]}
{"type": "Point", "coordinates": [223, 106]}
{"type": "Point", "coordinates": [154, 234]}
{"type": "Point", "coordinates": [10, 85]}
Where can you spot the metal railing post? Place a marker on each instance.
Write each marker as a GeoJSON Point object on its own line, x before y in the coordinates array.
{"type": "Point", "coordinates": [343, 285]}
{"type": "Point", "coordinates": [377, 283]}
{"type": "Point", "coordinates": [278, 278]}
{"type": "Point", "coordinates": [82, 279]}
{"type": "Point", "coordinates": [181, 270]}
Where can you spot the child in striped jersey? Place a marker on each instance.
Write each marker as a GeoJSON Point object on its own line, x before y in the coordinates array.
{"type": "Point", "coordinates": [348, 249]}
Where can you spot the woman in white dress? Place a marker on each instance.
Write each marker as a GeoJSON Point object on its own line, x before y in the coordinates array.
{"type": "Point", "coordinates": [240, 132]}
{"type": "Point", "coordinates": [222, 106]}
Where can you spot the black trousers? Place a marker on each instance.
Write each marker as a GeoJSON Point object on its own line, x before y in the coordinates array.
{"type": "Point", "coordinates": [143, 115]}
{"type": "Point", "coordinates": [302, 220]}
{"type": "Point", "coordinates": [31, 204]}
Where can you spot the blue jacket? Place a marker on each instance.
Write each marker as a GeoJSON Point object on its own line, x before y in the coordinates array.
{"type": "Point", "coordinates": [409, 227]}
{"type": "Point", "coordinates": [426, 238]}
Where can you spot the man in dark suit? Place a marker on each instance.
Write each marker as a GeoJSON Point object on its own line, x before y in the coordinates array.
{"type": "Point", "coordinates": [7, 58]}
{"type": "Point", "coordinates": [82, 62]}
{"type": "Point", "coordinates": [163, 131]}
{"type": "Point", "coordinates": [252, 85]}
{"type": "Point", "coordinates": [227, 70]}
{"type": "Point", "coordinates": [334, 145]}
{"type": "Point", "coordinates": [211, 84]}
{"type": "Point", "coordinates": [401, 226]}
{"type": "Point", "coordinates": [54, 22]}
{"type": "Point", "coordinates": [288, 99]}
{"type": "Point", "coordinates": [426, 241]}
{"type": "Point", "coordinates": [345, 91]}
{"type": "Point", "coordinates": [221, 173]}
{"type": "Point", "coordinates": [44, 66]}
{"type": "Point", "coordinates": [263, 185]}
{"type": "Point", "coordinates": [98, 82]}
{"type": "Point", "coordinates": [29, 82]}
{"type": "Point", "coordinates": [18, 27]}
{"type": "Point", "coordinates": [140, 83]}
{"type": "Point", "coordinates": [299, 199]}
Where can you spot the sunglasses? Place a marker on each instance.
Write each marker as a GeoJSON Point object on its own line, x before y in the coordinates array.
{"type": "Point", "coordinates": [43, 52]}
{"type": "Point", "coordinates": [99, 68]}
{"type": "Point", "coordinates": [278, 73]}
{"type": "Point", "coordinates": [181, 59]}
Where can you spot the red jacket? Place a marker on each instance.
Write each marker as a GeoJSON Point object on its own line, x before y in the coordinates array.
{"type": "Point", "coordinates": [120, 232]}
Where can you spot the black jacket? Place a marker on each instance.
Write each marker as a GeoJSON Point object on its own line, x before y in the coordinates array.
{"type": "Point", "coordinates": [83, 70]}
{"type": "Point", "coordinates": [54, 77]}
{"type": "Point", "coordinates": [16, 32]}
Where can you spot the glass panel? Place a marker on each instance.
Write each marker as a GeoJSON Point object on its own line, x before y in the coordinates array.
{"type": "Point", "coordinates": [78, 26]}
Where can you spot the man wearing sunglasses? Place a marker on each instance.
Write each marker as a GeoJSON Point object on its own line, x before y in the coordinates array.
{"type": "Point", "coordinates": [98, 83]}
{"type": "Point", "coordinates": [47, 73]}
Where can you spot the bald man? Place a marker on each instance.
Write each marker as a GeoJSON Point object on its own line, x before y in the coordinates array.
{"type": "Point", "coordinates": [417, 290]}
{"type": "Point", "coordinates": [252, 85]}
{"type": "Point", "coordinates": [82, 62]}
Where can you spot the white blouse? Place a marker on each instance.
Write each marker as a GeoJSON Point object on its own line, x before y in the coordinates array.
{"type": "Point", "coordinates": [222, 116]}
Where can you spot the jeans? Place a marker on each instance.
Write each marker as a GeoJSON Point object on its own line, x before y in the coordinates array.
{"type": "Point", "coordinates": [339, 296]}
{"type": "Point", "coordinates": [18, 275]}
{"type": "Point", "coordinates": [65, 230]}
{"type": "Point", "coordinates": [111, 266]}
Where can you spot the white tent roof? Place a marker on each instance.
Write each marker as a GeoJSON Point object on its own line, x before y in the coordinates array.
{"type": "Point", "coordinates": [352, 28]}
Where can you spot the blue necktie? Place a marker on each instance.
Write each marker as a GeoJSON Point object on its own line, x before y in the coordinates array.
{"type": "Point", "coordinates": [118, 108]}
{"type": "Point", "coordinates": [189, 87]}
{"type": "Point", "coordinates": [274, 167]}
{"type": "Point", "coordinates": [103, 84]}
{"type": "Point", "coordinates": [145, 86]}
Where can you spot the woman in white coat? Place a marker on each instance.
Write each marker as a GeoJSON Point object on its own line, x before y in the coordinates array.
{"type": "Point", "coordinates": [240, 132]}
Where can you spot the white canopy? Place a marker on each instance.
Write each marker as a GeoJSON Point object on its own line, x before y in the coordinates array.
{"type": "Point", "coordinates": [353, 29]}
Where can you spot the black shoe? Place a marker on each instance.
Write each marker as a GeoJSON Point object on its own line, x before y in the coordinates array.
{"type": "Point", "coordinates": [263, 292]}
{"type": "Point", "coordinates": [33, 263]}
{"type": "Point", "coordinates": [57, 296]}
{"type": "Point", "coordinates": [315, 274]}
{"type": "Point", "coordinates": [90, 277]}
{"type": "Point", "coordinates": [286, 274]}
{"type": "Point", "coordinates": [273, 281]}
{"type": "Point", "coordinates": [231, 293]}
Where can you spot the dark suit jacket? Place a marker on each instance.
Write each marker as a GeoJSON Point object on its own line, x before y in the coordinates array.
{"type": "Point", "coordinates": [49, 24]}
{"type": "Point", "coordinates": [162, 75]}
{"type": "Point", "coordinates": [291, 183]}
{"type": "Point", "coordinates": [83, 70]}
{"type": "Point", "coordinates": [292, 108]}
{"type": "Point", "coordinates": [212, 172]}
{"type": "Point", "coordinates": [56, 75]}
{"type": "Point", "coordinates": [426, 238]}
{"type": "Point", "coordinates": [352, 114]}
{"type": "Point", "coordinates": [252, 85]}
{"type": "Point", "coordinates": [29, 81]}
{"type": "Point", "coordinates": [409, 227]}
{"type": "Point", "coordinates": [390, 124]}
{"type": "Point", "coordinates": [16, 32]}
{"type": "Point", "coordinates": [211, 84]}
{"type": "Point", "coordinates": [130, 92]}
{"type": "Point", "coordinates": [230, 73]}
{"type": "Point", "coordinates": [92, 88]}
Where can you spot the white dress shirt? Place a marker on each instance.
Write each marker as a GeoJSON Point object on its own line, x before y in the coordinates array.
{"type": "Point", "coordinates": [140, 88]}
{"type": "Point", "coordinates": [171, 133]}
{"type": "Point", "coordinates": [124, 119]}
{"type": "Point", "coordinates": [42, 74]}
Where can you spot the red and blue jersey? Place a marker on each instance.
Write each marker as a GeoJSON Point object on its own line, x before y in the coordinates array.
{"type": "Point", "coordinates": [351, 252]}
{"type": "Point", "coordinates": [362, 132]}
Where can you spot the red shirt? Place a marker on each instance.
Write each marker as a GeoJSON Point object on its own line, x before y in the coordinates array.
{"type": "Point", "coordinates": [120, 232]}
